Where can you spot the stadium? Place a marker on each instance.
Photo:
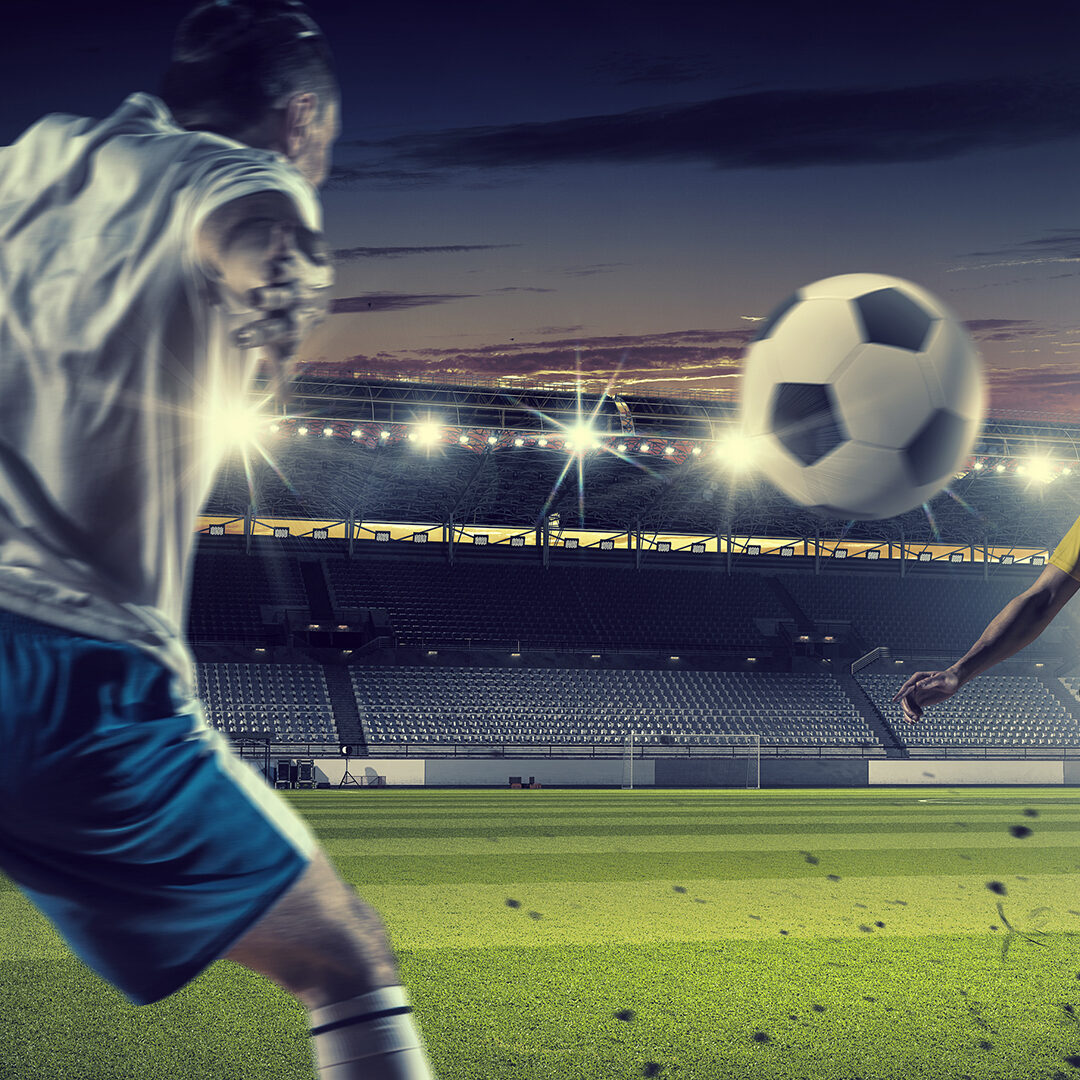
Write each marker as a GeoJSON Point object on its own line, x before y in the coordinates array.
{"type": "Point", "coordinates": [606, 732]}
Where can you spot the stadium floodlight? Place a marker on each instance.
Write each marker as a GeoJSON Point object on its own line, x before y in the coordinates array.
{"type": "Point", "coordinates": [644, 447]}
{"type": "Point", "coordinates": [999, 467]}
{"type": "Point", "coordinates": [594, 656]}
{"type": "Point", "coordinates": [581, 433]}
{"type": "Point", "coordinates": [753, 549]}
{"type": "Point", "coordinates": [978, 466]}
{"type": "Point", "coordinates": [738, 451]}
{"type": "Point", "coordinates": [328, 431]}
{"type": "Point", "coordinates": [1037, 664]}
{"type": "Point", "coordinates": [480, 539]}
{"type": "Point", "coordinates": [433, 652]}
{"type": "Point", "coordinates": [1007, 560]}
{"type": "Point", "coordinates": [840, 553]}
{"type": "Point", "coordinates": [1066, 471]}
{"type": "Point", "coordinates": [787, 551]}
{"type": "Point", "coordinates": [281, 532]}
{"type": "Point", "coordinates": [428, 432]}
{"type": "Point", "coordinates": [663, 545]}
{"type": "Point", "coordinates": [570, 542]}
{"type": "Point", "coordinates": [673, 658]}
{"type": "Point", "coordinates": [356, 433]}
{"type": "Point", "coordinates": [260, 650]}
{"type": "Point", "coordinates": [275, 428]}
{"type": "Point", "coordinates": [873, 553]}
{"type": "Point", "coordinates": [216, 530]}
{"type": "Point", "coordinates": [515, 654]}
{"type": "Point", "coordinates": [751, 659]}
{"type": "Point", "coordinates": [697, 549]}
{"type": "Point", "coordinates": [696, 450]}
{"type": "Point", "coordinates": [669, 449]}
{"type": "Point", "coordinates": [621, 448]}
{"type": "Point", "coordinates": [956, 556]}
{"type": "Point", "coordinates": [541, 441]}
{"type": "Point", "coordinates": [384, 434]}
{"type": "Point", "coordinates": [519, 442]}
{"type": "Point", "coordinates": [607, 545]}
{"type": "Point", "coordinates": [320, 534]}
{"type": "Point", "coordinates": [1038, 560]}
{"type": "Point", "coordinates": [925, 556]}
{"type": "Point", "coordinates": [829, 637]}
{"type": "Point", "coordinates": [419, 538]}
{"type": "Point", "coordinates": [463, 438]}
{"type": "Point", "coordinates": [382, 537]}
{"type": "Point", "coordinates": [302, 430]}
{"type": "Point", "coordinates": [517, 541]}
{"type": "Point", "coordinates": [1041, 470]}
{"type": "Point", "coordinates": [492, 440]}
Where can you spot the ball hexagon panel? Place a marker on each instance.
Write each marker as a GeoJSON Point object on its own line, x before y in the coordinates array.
{"type": "Point", "coordinates": [882, 396]}
{"type": "Point", "coordinates": [953, 373]}
{"type": "Point", "coordinates": [760, 375]}
{"type": "Point", "coordinates": [891, 317]}
{"type": "Point", "coordinates": [785, 471]}
{"type": "Point", "coordinates": [865, 482]}
{"type": "Point", "coordinates": [940, 446]}
{"type": "Point", "coordinates": [814, 338]}
{"type": "Point", "coordinates": [805, 419]}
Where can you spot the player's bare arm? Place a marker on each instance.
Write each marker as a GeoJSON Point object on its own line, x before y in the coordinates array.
{"type": "Point", "coordinates": [262, 254]}
{"type": "Point", "coordinates": [1018, 624]}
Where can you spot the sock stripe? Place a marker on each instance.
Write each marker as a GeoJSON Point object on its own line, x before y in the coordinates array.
{"type": "Point", "coordinates": [379, 1014]}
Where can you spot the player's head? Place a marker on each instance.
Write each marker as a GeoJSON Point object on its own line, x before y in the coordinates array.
{"type": "Point", "coordinates": [260, 72]}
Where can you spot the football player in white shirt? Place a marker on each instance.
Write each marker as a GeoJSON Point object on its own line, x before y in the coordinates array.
{"type": "Point", "coordinates": [144, 259]}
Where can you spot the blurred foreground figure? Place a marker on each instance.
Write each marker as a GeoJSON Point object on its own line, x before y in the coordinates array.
{"type": "Point", "coordinates": [145, 259]}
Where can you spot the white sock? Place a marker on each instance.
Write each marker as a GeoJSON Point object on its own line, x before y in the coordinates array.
{"type": "Point", "coordinates": [370, 1037]}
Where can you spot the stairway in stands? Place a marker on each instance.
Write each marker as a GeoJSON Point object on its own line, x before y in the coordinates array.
{"type": "Point", "coordinates": [346, 715]}
{"type": "Point", "coordinates": [881, 727]}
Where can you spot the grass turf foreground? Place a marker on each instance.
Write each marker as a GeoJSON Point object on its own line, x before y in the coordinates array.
{"type": "Point", "coordinates": [695, 934]}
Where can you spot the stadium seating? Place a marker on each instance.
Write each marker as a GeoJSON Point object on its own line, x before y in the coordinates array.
{"type": "Point", "coordinates": [992, 710]}
{"type": "Point", "coordinates": [431, 603]}
{"type": "Point", "coordinates": [228, 589]}
{"type": "Point", "coordinates": [401, 704]}
{"type": "Point", "coordinates": [923, 613]}
{"type": "Point", "coordinates": [288, 700]}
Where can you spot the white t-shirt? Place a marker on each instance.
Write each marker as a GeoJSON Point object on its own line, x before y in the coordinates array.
{"type": "Point", "coordinates": [115, 362]}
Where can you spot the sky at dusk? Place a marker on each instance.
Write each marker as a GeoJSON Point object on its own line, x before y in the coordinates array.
{"type": "Point", "coordinates": [522, 189]}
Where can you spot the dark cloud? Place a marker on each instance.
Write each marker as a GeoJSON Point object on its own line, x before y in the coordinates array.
{"type": "Point", "coordinates": [350, 254]}
{"type": "Point", "coordinates": [777, 129]}
{"type": "Point", "coordinates": [1001, 329]}
{"type": "Point", "coordinates": [595, 268]}
{"type": "Point", "coordinates": [392, 301]}
{"type": "Point", "coordinates": [556, 329]}
{"type": "Point", "coordinates": [522, 288]}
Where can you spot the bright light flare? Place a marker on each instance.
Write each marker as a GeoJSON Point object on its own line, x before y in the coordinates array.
{"type": "Point", "coordinates": [427, 433]}
{"type": "Point", "coordinates": [237, 428]}
{"type": "Point", "coordinates": [1040, 469]}
{"type": "Point", "coordinates": [737, 451]}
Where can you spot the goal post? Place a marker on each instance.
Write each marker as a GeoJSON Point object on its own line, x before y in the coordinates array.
{"type": "Point", "coordinates": [745, 748]}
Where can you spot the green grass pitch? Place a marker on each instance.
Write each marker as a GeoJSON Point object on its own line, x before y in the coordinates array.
{"type": "Point", "coordinates": [690, 935]}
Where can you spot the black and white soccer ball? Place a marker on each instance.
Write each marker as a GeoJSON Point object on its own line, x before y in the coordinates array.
{"type": "Point", "coordinates": [862, 395]}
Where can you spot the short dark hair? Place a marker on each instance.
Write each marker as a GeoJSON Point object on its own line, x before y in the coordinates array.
{"type": "Point", "coordinates": [232, 62]}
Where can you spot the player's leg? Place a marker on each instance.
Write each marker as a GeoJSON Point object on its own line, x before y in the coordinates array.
{"type": "Point", "coordinates": [327, 948]}
{"type": "Point", "coordinates": [155, 851]}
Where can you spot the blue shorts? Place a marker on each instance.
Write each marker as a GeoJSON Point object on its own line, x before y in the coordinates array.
{"type": "Point", "coordinates": [125, 817]}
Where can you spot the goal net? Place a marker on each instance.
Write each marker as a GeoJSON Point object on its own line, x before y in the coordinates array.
{"type": "Point", "coordinates": [742, 752]}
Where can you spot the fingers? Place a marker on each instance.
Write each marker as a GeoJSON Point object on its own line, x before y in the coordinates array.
{"type": "Point", "coordinates": [910, 684]}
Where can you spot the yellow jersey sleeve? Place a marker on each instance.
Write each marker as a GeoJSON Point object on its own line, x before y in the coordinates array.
{"type": "Point", "coordinates": [1066, 555]}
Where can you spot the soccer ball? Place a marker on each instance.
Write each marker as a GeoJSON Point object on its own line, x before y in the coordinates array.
{"type": "Point", "coordinates": [862, 396]}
